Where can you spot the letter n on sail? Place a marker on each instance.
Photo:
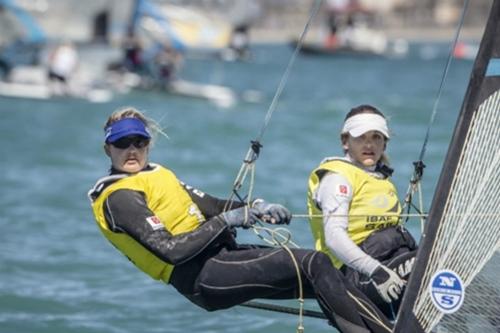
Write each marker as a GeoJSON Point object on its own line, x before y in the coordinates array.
{"type": "Point", "coordinates": [462, 236]}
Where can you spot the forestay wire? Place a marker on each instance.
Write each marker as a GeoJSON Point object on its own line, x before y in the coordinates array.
{"type": "Point", "coordinates": [272, 107]}
{"type": "Point", "coordinates": [419, 165]}
{"type": "Point", "coordinates": [280, 236]}
{"type": "Point", "coordinates": [254, 150]}
{"type": "Point", "coordinates": [248, 165]}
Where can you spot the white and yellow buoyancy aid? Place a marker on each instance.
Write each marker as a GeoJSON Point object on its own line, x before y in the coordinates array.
{"type": "Point", "coordinates": [171, 205]}
{"type": "Point", "coordinates": [375, 204]}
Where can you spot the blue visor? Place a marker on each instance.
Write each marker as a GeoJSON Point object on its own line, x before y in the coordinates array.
{"type": "Point", "coordinates": [125, 127]}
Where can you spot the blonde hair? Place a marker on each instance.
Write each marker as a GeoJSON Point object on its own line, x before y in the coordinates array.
{"type": "Point", "coordinates": [152, 126]}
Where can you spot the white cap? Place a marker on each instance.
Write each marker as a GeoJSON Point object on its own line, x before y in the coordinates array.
{"type": "Point", "coordinates": [361, 123]}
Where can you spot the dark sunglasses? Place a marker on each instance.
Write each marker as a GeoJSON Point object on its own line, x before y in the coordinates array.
{"type": "Point", "coordinates": [124, 143]}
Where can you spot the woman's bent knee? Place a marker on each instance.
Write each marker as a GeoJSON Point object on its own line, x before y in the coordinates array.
{"type": "Point", "coordinates": [317, 262]}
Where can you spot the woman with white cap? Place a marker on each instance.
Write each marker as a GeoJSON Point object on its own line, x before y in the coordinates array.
{"type": "Point", "coordinates": [354, 211]}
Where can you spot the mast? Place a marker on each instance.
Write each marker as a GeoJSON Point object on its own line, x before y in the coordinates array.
{"type": "Point", "coordinates": [484, 81]}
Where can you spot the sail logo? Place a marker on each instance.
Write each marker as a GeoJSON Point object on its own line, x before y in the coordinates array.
{"type": "Point", "coordinates": [447, 291]}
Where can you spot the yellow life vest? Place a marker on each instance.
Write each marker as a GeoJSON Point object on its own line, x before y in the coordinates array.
{"type": "Point", "coordinates": [166, 198]}
{"type": "Point", "coordinates": [375, 204]}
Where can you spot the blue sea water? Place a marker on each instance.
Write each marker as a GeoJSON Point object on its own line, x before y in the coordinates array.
{"type": "Point", "coordinates": [59, 275]}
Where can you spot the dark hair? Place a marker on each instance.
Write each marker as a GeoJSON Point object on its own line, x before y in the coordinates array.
{"type": "Point", "coordinates": [363, 108]}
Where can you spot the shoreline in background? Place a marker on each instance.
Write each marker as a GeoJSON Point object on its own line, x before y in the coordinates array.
{"type": "Point", "coordinates": [277, 24]}
{"type": "Point", "coordinates": [268, 36]}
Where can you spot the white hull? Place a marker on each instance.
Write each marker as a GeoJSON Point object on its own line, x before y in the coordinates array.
{"type": "Point", "coordinates": [220, 95]}
{"type": "Point", "coordinates": [23, 90]}
{"type": "Point", "coordinates": [44, 92]}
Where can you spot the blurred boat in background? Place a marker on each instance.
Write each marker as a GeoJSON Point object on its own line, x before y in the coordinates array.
{"type": "Point", "coordinates": [26, 55]}
{"type": "Point", "coordinates": [349, 29]}
{"type": "Point", "coordinates": [147, 55]}
{"type": "Point", "coordinates": [31, 82]}
{"type": "Point", "coordinates": [22, 38]}
{"type": "Point", "coordinates": [158, 37]}
{"type": "Point", "coordinates": [182, 28]}
{"type": "Point", "coordinates": [363, 43]}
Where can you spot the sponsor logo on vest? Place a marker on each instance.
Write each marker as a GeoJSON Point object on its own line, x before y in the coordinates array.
{"type": "Point", "coordinates": [447, 291]}
{"type": "Point", "coordinates": [380, 221]}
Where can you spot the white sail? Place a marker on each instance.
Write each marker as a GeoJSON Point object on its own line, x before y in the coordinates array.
{"type": "Point", "coordinates": [455, 286]}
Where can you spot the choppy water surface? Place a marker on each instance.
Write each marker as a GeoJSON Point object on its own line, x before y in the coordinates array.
{"type": "Point", "coordinates": [58, 274]}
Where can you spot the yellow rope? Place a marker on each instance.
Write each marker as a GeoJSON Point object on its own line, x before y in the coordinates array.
{"type": "Point", "coordinates": [286, 236]}
{"type": "Point", "coordinates": [282, 237]}
{"type": "Point", "coordinates": [375, 318]}
{"type": "Point", "coordinates": [278, 236]}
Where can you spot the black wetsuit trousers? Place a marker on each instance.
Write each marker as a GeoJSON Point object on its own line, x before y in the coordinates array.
{"type": "Point", "coordinates": [232, 277]}
{"type": "Point", "coordinates": [395, 248]}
